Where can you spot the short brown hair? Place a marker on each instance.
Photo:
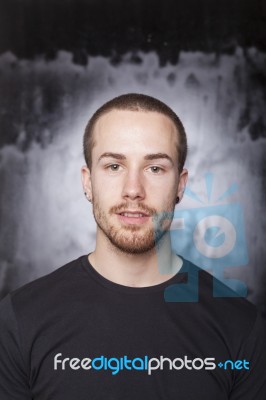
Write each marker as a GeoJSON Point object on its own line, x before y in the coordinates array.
{"type": "Point", "coordinates": [135, 102]}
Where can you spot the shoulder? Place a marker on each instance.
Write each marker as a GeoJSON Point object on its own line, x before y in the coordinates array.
{"type": "Point", "coordinates": [49, 286]}
{"type": "Point", "coordinates": [214, 301]}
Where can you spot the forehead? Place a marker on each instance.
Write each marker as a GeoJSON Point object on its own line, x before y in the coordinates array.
{"type": "Point", "coordinates": [125, 130]}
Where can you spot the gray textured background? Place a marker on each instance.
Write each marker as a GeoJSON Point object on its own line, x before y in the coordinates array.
{"type": "Point", "coordinates": [46, 98]}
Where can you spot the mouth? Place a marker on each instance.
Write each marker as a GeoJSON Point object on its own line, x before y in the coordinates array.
{"type": "Point", "coordinates": [133, 217]}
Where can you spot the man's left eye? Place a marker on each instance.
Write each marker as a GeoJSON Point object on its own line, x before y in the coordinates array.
{"type": "Point", "coordinates": [156, 169]}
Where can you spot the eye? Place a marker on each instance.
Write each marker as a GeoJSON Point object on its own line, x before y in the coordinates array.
{"type": "Point", "coordinates": [113, 167]}
{"type": "Point", "coordinates": [156, 169]}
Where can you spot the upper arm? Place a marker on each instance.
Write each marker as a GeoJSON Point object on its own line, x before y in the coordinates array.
{"type": "Point", "coordinates": [13, 375]}
{"type": "Point", "coordinates": [250, 384]}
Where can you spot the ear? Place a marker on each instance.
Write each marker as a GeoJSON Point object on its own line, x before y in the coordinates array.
{"type": "Point", "coordinates": [183, 177]}
{"type": "Point", "coordinates": [86, 181]}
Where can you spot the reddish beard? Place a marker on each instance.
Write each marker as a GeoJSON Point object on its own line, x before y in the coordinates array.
{"type": "Point", "coordinates": [130, 239]}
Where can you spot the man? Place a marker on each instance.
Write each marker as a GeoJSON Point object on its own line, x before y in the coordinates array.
{"type": "Point", "coordinates": [112, 325]}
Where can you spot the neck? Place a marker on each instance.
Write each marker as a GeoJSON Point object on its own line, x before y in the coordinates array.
{"type": "Point", "coordinates": [136, 270]}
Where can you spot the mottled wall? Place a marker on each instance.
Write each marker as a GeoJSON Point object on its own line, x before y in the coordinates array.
{"type": "Point", "coordinates": [46, 99]}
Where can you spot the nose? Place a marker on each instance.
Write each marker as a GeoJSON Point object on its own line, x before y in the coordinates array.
{"type": "Point", "coordinates": [133, 188]}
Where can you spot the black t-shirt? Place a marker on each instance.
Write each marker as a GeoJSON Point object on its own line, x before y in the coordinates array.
{"type": "Point", "coordinates": [75, 335]}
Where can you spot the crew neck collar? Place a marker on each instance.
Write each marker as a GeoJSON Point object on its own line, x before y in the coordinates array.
{"type": "Point", "coordinates": [180, 276]}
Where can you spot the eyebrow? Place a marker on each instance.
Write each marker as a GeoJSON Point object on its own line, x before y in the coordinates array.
{"type": "Point", "coordinates": [117, 156]}
{"type": "Point", "coordinates": [157, 156]}
{"type": "Point", "coordinates": [154, 156]}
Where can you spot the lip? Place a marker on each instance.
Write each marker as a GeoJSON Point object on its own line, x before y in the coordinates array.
{"type": "Point", "coordinates": [135, 219]}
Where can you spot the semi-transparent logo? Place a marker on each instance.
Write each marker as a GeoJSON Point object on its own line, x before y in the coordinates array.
{"type": "Point", "coordinates": [212, 236]}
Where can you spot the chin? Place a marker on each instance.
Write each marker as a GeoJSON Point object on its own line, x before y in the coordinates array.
{"type": "Point", "coordinates": [134, 243]}
{"type": "Point", "coordinates": [129, 248]}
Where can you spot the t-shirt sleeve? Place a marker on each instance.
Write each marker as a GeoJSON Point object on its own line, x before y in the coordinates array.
{"type": "Point", "coordinates": [250, 384]}
{"type": "Point", "coordinates": [13, 376]}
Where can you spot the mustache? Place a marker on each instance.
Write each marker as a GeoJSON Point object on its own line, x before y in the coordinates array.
{"type": "Point", "coordinates": [133, 207]}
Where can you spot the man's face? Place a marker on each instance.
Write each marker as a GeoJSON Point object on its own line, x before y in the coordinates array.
{"type": "Point", "coordinates": [134, 177]}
